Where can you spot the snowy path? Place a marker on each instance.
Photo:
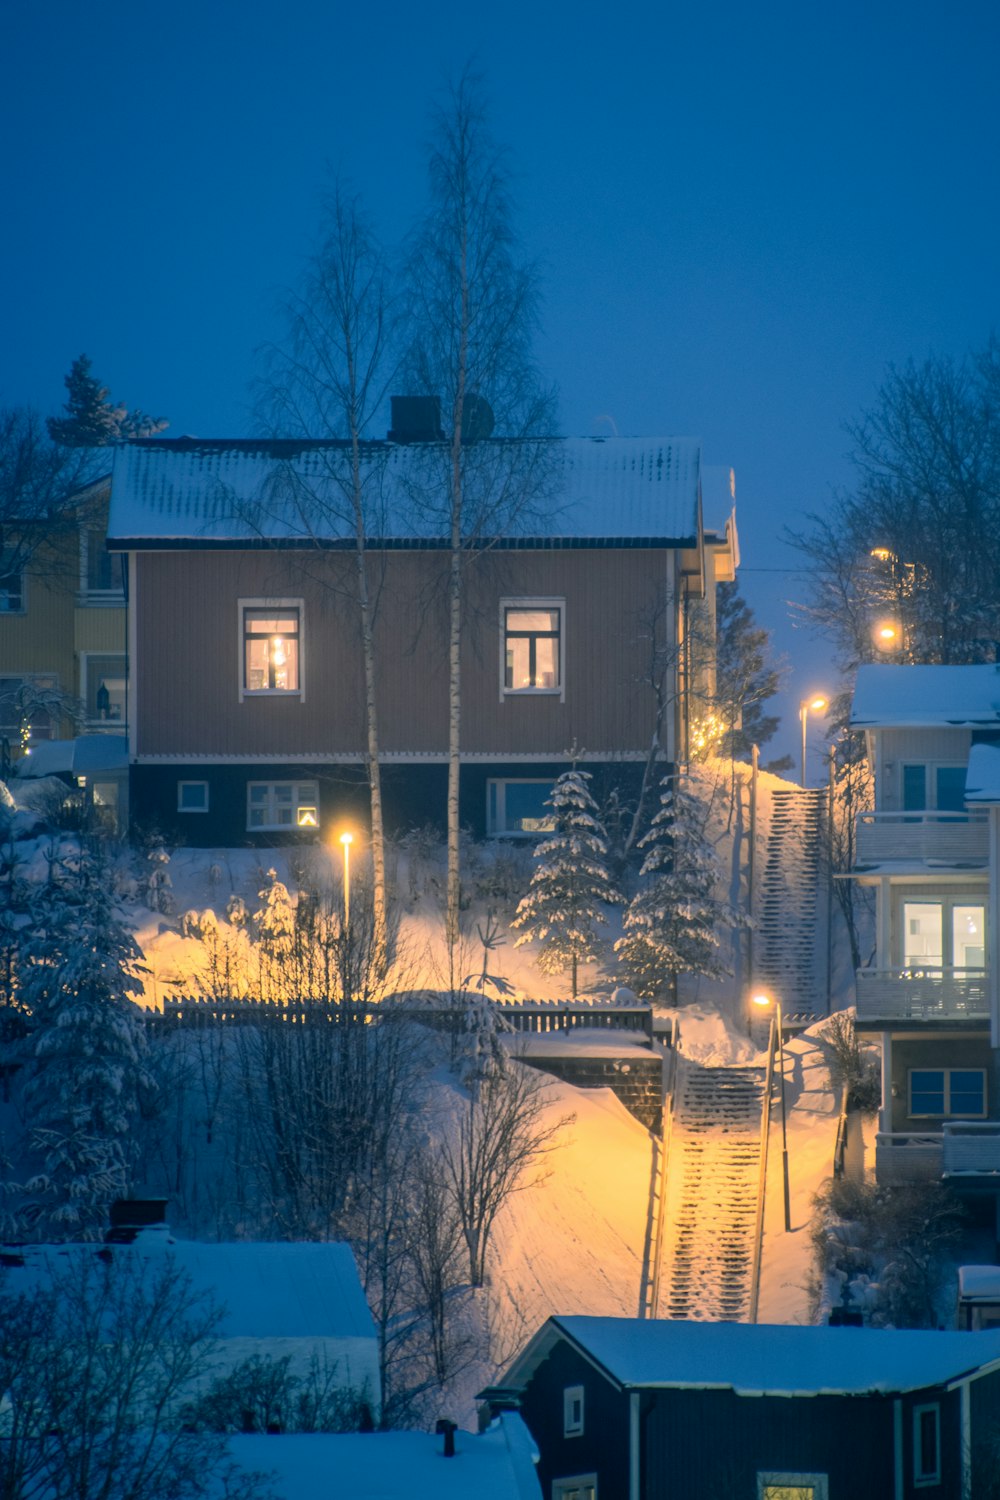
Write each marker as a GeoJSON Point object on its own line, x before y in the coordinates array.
{"type": "Point", "coordinates": [712, 1175]}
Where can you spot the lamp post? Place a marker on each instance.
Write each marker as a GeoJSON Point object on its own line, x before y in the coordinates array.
{"type": "Point", "coordinates": [346, 840]}
{"type": "Point", "coordinates": [807, 706]}
{"type": "Point", "coordinates": [765, 1001]}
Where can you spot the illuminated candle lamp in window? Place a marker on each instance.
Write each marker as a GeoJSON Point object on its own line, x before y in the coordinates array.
{"type": "Point", "coordinates": [278, 651]}
{"type": "Point", "coordinates": [307, 818]}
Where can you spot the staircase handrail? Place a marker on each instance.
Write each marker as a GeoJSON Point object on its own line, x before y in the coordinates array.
{"type": "Point", "coordinates": [666, 1134]}
{"type": "Point", "coordinates": [765, 1131]}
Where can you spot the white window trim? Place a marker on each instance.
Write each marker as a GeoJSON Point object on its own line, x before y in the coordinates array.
{"type": "Point", "coordinates": [23, 608]}
{"type": "Point", "coordinates": [931, 768]}
{"type": "Point", "coordinates": [504, 782]}
{"type": "Point", "coordinates": [947, 1114]}
{"type": "Point", "coordinates": [294, 826]}
{"type": "Point", "coordinates": [96, 597]}
{"type": "Point", "coordinates": [921, 1481]}
{"type": "Point", "coordinates": [571, 1395]}
{"type": "Point", "coordinates": [181, 808]}
{"type": "Point", "coordinates": [568, 1482]}
{"type": "Point", "coordinates": [244, 691]}
{"type": "Point", "coordinates": [533, 602]}
{"type": "Point", "coordinates": [109, 726]}
{"type": "Point", "coordinates": [819, 1483]}
{"type": "Point", "coordinates": [959, 895]}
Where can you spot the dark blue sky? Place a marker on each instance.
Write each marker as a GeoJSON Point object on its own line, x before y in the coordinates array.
{"type": "Point", "coordinates": [742, 213]}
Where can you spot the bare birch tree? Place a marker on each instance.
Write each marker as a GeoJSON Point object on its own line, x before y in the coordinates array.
{"type": "Point", "coordinates": [328, 380]}
{"type": "Point", "coordinates": [473, 303]}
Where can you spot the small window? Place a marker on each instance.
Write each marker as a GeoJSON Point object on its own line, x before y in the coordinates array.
{"type": "Point", "coordinates": [792, 1487]}
{"type": "Point", "coordinates": [948, 1091]}
{"type": "Point", "coordinates": [104, 688]}
{"type": "Point", "coordinates": [271, 646]}
{"type": "Point", "coordinates": [285, 805]}
{"type": "Point", "coordinates": [103, 573]}
{"type": "Point", "coordinates": [927, 1444]}
{"type": "Point", "coordinates": [517, 809]}
{"type": "Point", "coordinates": [573, 1411]}
{"type": "Point", "coordinates": [11, 586]}
{"type": "Point", "coordinates": [192, 796]}
{"type": "Point", "coordinates": [532, 645]}
{"type": "Point", "coordinates": [578, 1487]}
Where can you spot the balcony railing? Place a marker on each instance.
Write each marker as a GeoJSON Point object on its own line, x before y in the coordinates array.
{"type": "Point", "coordinates": [971, 1147]}
{"type": "Point", "coordinates": [907, 1156]}
{"type": "Point", "coordinates": [947, 838]}
{"type": "Point", "coordinates": [913, 994]}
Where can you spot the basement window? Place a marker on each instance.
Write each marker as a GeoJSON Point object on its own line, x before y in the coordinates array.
{"type": "Point", "coordinates": [517, 808]}
{"type": "Point", "coordinates": [579, 1487]}
{"type": "Point", "coordinates": [192, 796]}
{"type": "Point", "coordinates": [927, 1444]}
{"type": "Point", "coordinates": [282, 805]}
{"type": "Point", "coordinates": [792, 1487]}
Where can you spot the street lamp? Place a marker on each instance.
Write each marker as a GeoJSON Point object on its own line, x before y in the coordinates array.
{"type": "Point", "coordinates": [346, 840]}
{"type": "Point", "coordinates": [888, 636]}
{"type": "Point", "coordinates": [807, 706]}
{"type": "Point", "coordinates": [765, 1002]}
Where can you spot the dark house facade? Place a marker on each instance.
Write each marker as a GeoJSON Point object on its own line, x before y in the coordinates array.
{"type": "Point", "coordinates": [624, 1409]}
{"type": "Point", "coordinates": [589, 623]}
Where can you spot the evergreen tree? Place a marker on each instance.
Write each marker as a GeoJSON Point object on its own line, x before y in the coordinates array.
{"type": "Point", "coordinates": [745, 678]}
{"type": "Point", "coordinates": [275, 920]}
{"type": "Point", "coordinates": [673, 924]}
{"type": "Point", "coordinates": [92, 419]}
{"type": "Point", "coordinates": [571, 884]}
{"type": "Point", "coordinates": [85, 1047]}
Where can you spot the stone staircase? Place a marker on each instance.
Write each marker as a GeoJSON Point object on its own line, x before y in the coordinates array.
{"type": "Point", "coordinates": [791, 909]}
{"type": "Point", "coordinates": [711, 1196]}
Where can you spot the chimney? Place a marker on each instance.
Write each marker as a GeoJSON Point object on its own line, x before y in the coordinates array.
{"type": "Point", "coordinates": [416, 419]}
{"type": "Point", "coordinates": [446, 1429]}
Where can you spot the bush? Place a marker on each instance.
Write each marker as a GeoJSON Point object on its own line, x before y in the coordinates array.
{"type": "Point", "coordinates": [854, 1066]}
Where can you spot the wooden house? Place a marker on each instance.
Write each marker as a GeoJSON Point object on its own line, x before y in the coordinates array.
{"type": "Point", "coordinates": [629, 1409]}
{"type": "Point", "coordinates": [588, 623]}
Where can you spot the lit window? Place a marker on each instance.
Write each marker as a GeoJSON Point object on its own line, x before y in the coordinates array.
{"type": "Point", "coordinates": [517, 809]}
{"type": "Point", "coordinates": [579, 1487]}
{"type": "Point", "coordinates": [271, 647]}
{"type": "Point", "coordinates": [949, 933]}
{"type": "Point", "coordinates": [948, 1091]}
{"type": "Point", "coordinates": [11, 586]}
{"type": "Point", "coordinates": [192, 796]}
{"type": "Point", "coordinates": [792, 1487]}
{"type": "Point", "coordinates": [104, 688]}
{"type": "Point", "coordinates": [532, 645]}
{"type": "Point", "coordinates": [282, 805]}
{"type": "Point", "coordinates": [573, 1411]}
{"type": "Point", "coordinates": [927, 1444]}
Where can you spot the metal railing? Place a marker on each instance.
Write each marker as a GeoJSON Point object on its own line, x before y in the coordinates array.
{"type": "Point", "coordinates": [916, 994]}
{"type": "Point", "coordinates": [922, 837]}
{"type": "Point", "coordinates": [758, 1232]}
{"type": "Point", "coordinates": [666, 1135]}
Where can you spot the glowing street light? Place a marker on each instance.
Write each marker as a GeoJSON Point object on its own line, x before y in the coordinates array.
{"type": "Point", "coordinates": [807, 706]}
{"type": "Point", "coordinates": [765, 1002]}
{"type": "Point", "coordinates": [888, 636]}
{"type": "Point", "coordinates": [346, 840]}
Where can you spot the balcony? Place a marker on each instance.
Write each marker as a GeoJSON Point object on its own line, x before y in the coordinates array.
{"type": "Point", "coordinates": [971, 1148]}
{"type": "Point", "coordinates": [922, 838]}
{"type": "Point", "coordinates": [941, 995]}
{"type": "Point", "coordinates": [908, 1156]}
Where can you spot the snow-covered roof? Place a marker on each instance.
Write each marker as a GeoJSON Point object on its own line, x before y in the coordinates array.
{"type": "Point", "coordinates": [765, 1359]}
{"type": "Point", "coordinates": [236, 492]}
{"type": "Point", "coordinates": [921, 697]}
{"type": "Point", "coordinates": [86, 754]}
{"type": "Point", "coordinates": [982, 779]}
{"type": "Point", "coordinates": [498, 1464]}
{"type": "Point", "coordinates": [979, 1283]}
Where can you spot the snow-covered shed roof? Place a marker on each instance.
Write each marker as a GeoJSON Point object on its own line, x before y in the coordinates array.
{"type": "Point", "coordinates": [86, 754]}
{"type": "Point", "coordinates": [498, 1464]}
{"type": "Point", "coordinates": [982, 779]}
{"type": "Point", "coordinates": [921, 697]}
{"type": "Point", "coordinates": [764, 1359]}
{"type": "Point", "coordinates": [219, 492]}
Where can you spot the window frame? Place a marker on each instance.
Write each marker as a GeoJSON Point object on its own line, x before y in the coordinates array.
{"type": "Point", "coordinates": [278, 606]}
{"type": "Point", "coordinates": [21, 574]}
{"type": "Point", "coordinates": [89, 595]}
{"type": "Point", "coordinates": [181, 808]}
{"type": "Point", "coordinates": [534, 602]}
{"type": "Point", "coordinates": [497, 798]}
{"type": "Point", "coordinates": [297, 804]}
{"type": "Point", "coordinates": [923, 1478]}
{"type": "Point", "coordinates": [947, 1113]}
{"type": "Point", "coordinates": [567, 1483]}
{"type": "Point", "coordinates": [110, 726]}
{"type": "Point", "coordinates": [930, 769]}
{"type": "Point", "coordinates": [961, 895]}
{"type": "Point", "coordinates": [769, 1479]}
{"type": "Point", "coordinates": [573, 1395]}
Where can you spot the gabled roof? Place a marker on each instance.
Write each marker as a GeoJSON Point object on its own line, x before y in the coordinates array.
{"type": "Point", "coordinates": [240, 492]}
{"type": "Point", "coordinates": [923, 697]}
{"type": "Point", "coordinates": [759, 1360]}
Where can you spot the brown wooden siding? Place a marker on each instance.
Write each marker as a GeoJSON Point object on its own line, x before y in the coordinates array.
{"type": "Point", "coordinates": [188, 654]}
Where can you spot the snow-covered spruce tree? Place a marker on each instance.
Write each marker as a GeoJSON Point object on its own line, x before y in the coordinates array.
{"type": "Point", "coordinates": [92, 419]}
{"type": "Point", "coordinates": [673, 924]}
{"type": "Point", "coordinates": [571, 885]}
{"type": "Point", "coordinates": [85, 1050]}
